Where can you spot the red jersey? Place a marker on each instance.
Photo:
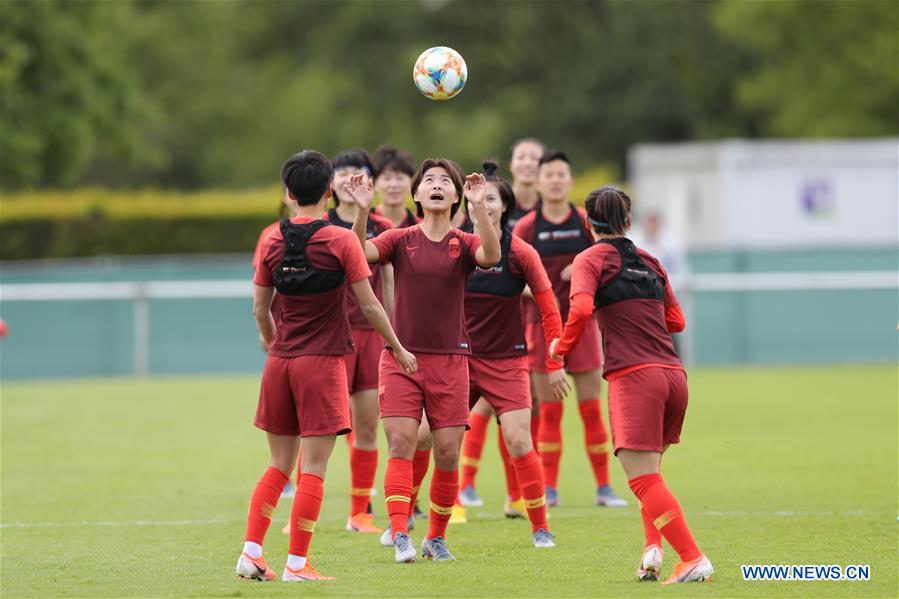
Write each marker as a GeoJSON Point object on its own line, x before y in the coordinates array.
{"type": "Point", "coordinates": [376, 226]}
{"type": "Point", "coordinates": [314, 324]}
{"type": "Point", "coordinates": [409, 221]}
{"type": "Point", "coordinates": [429, 279]}
{"type": "Point", "coordinates": [557, 244]}
{"type": "Point", "coordinates": [634, 331]}
{"type": "Point", "coordinates": [493, 312]}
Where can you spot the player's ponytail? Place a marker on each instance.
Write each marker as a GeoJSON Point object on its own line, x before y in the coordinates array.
{"type": "Point", "coordinates": [506, 194]}
{"type": "Point", "coordinates": [609, 210]}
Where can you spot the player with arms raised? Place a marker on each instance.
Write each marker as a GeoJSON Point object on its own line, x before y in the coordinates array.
{"type": "Point", "coordinates": [637, 312]}
{"type": "Point", "coordinates": [304, 389]}
{"type": "Point", "coordinates": [432, 261]}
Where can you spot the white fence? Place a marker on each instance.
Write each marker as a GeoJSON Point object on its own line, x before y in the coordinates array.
{"type": "Point", "coordinates": [140, 293]}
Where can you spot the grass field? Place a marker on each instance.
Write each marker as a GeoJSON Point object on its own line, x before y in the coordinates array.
{"type": "Point", "coordinates": [129, 488]}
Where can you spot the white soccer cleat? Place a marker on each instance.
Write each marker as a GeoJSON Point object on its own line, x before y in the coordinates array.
{"type": "Point", "coordinates": [650, 564]}
{"type": "Point", "coordinates": [253, 568]}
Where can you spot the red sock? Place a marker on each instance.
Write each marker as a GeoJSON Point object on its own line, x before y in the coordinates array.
{"type": "Point", "coordinates": [550, 445]}
{"type": "Point", "coordinates": [263, 502]}
{"type": "Point", "coordinates": [530, 475]}
{"type": "Point", "coordinates": [307, 505]}
{"type": "Point", "coordinates": [444, 489]}
{"type": "Point", "coordinates": [363, 465]}
{"type": "Point", "coordinates": [473, 447]}
{"type": "Point", "coordinates": [512, 487]}
{"type": "Point", "coordinates": [652, 534]}
{"type": "Point", "coordinates": [420, 464]}
{"type": "Point", "coordinates": [596, 439]}
{"type": "Point", "coordinates": [398, 493]}
{"type": "Point", "coordinates": [535, 429]}
{"type": "Point", "coordinates": [666, 514]}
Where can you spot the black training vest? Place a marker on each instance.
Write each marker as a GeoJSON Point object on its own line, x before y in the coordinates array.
{"type": "Point", "coordinates": [497, 280]}
{"type": "Point", "coordinates": [295, 275]}
{"type": "Point", "coordinates": [568, 237]}
{"type": "Point", "coordinates": [335, 219]}
{"type": "Point", "coordinates": [635, 279]}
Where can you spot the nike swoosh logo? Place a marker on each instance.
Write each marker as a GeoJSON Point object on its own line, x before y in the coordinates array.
{"type": "Point", "coordinates": [260, 568]}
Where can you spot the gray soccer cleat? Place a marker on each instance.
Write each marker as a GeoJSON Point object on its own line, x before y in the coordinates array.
{"type": "Point", "coordinates": [435, 549]}
{"type": "Point", "coordinates": [469, 497]}
{"type": "Point", "coordinates": [405, 549]}
{"type": "Point", "coordinates": [387, 535]}
{"type": "Point", "coordinates": [606, 496]}
{"type": "Point", "coordinates": [543, 538]}
{"type": "Point", "coordinates": [552, 497]}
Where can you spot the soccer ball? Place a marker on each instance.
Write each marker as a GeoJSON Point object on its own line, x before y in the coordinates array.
{"type": "Point", "coordinates": [440, 73]}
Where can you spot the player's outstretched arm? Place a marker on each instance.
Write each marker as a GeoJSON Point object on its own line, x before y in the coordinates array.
{"type": "Point", "coordinates": [489, 254]}
{"type": "Point", "coordinates": [262, 311]}
{"type": "Point", "coordinates": [375, 314]}
{"type": "Point", "coordinates": [361, 189]}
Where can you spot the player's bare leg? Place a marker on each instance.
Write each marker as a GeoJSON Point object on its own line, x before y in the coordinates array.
{"type": "Point", "coordinates": [588, 386]}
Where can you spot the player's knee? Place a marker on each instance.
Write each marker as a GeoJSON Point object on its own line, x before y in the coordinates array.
{"type": "Point", "coordinates": [425, 441]}
{"type": "Point", "coordinates": [518, 442]}
{"type": "Point", "coordinates": [400, 446]}
{"type": "Point", "coordinates": [446, 457]}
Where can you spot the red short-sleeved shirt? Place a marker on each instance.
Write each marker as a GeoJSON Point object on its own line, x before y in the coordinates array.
{"type": "Point", "coordinates": [495, 322]}
{"type": "Point", "coordinates": [314, 324]}
{"type": "Point", "coordinates": [557, 244]}
{"type": "Point", "coordinates": [429, 283]}
{"type": "Point", "coordinates": [634, 331]}
{"type": "Point", "coordinates": [377, 225]}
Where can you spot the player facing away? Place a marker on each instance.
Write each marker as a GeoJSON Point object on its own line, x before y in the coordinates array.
{"type": "Point", "coordinates": [498, 366]}
{"type": "Point", "coordinates": [362, 366]}
{"type": "Point", "coordinates": [523, 164]}
{"type": "Point", "coordinates": [558, 231]}
{"type": "Point", "coordinates": [431, 263]}
{"type": "Point", "coordinates": [393, 183]}
{"type": "Point", "coordinates": [637, 312]}
{"type": "Point", "coordinates": [304, 392]}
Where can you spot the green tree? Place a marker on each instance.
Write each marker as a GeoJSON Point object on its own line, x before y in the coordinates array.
{"type": "Point", "coordinates": [822, 68]}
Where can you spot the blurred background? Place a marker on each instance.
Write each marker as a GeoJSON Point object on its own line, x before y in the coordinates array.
{"type": "Point", "coordinates": [140, 143]}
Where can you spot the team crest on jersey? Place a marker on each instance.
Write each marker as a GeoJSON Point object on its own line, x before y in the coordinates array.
{"type": "Point", "coordinates": [455, 248]}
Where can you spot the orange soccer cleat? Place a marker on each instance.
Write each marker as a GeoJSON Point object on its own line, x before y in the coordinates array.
{"type": "Point", "coordinates": [697, 570]}
{"type": "Point", "coordinates": [362, 523]}
{"type": "Point", "coordinates": [305, 574]}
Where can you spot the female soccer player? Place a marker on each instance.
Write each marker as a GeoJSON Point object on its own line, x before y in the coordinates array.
{"type": "Point", "coordinates": [431, 264]}
{"type": "Point", "coordinates": [637, 312]}
{"type": "Point", "coordinates": [498, 368]}
{"type": "Point", "coordinates": [558, 232]}
{"type": "Point", "coordinates": [523, 164]}
{"type": "Point", "coordinates": [362, 366]}
{"type": "Point", "coordinates": [393, 183]}
{"type": "Point", "coordinates": [303, 392]}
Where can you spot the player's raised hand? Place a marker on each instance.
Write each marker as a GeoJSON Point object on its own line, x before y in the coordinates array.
{"type": "Point", "coordinates": [475, 188]}
{"type": "Point", "coordinates": [361, 189]}
{"type": "Point", "coordinates": [406, 360]}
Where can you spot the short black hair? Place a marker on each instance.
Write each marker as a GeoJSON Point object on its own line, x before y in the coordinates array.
{"type": "Point", "coordinates": [357, 158]}
{"type": "Point", "coordinates": [553, 155]}
{"type": "Point", "coordinates": [388, 158]}
{"type": "Point", "coordinates": [455, 173]}
{"type": "Point", "coordinates": [307, 175]}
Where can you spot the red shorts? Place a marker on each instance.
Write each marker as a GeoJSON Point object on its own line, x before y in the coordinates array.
{"type": "Point", "coordinates": [439, 387]}
{"type": "Point", "coordinates": [503, 382]}
{"type": "Point", "coordinates": [586, 355]}
{"type": "Point", "coordinates": [304, 395]}
{"type": "Point", "coordinates": [362, 366]}
{"type": "Point", "coordinates": [647, 407]}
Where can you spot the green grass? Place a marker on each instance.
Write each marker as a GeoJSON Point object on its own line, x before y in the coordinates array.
{"type": "Point", "coordinates": [129, 488]}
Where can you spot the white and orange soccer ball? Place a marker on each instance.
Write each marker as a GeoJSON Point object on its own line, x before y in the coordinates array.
{"type": "Point", "coordinates": [440, 73]}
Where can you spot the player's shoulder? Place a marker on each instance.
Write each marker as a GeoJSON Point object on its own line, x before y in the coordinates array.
{"type": "Point", "coordinates": [521, 249]}
{"type": "Point", "coordinates": [597, 253]}
{"type": "Point", "coordinates": [650, 259]}
{"type": "Point", "coordinates": [468, 238]}
{"type": "Point", "coordinates": [524, 228]}
{"type": "Point", "coordinates": [381, 222]}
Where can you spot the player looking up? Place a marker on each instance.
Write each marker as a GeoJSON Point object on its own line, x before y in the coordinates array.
{"type": "Point", "coordinates": [362, 366]}
{"type": "Point", "coordinates": [431, 262]}
{"type": "Point", "coordinates": [303, 392]}
{"type": "Point", "coordinates": [558, 232]}
{"type": "Point", "coordinates": [637, 312]}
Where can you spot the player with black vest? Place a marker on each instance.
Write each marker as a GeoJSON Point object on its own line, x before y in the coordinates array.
{"type": "Point", "coordinates": [304, 387]}
{"type": "Point", "coordinates": [362, 366]}
{"type": "Point", "coordinates": [498, 367]}
{"type": "Point", "coordinates": [558, 231]}
{"type": "Point", "coordinates": [637, 312]}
